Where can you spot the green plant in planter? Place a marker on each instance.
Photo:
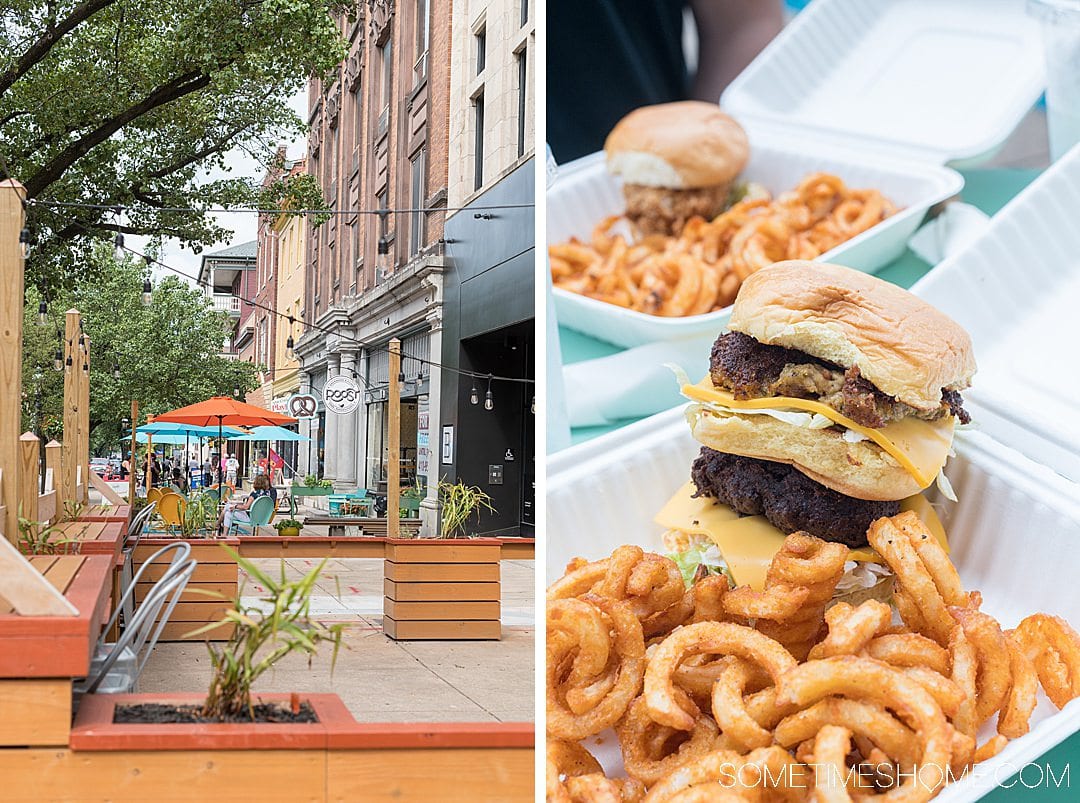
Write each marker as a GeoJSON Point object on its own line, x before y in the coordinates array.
{"type": "Point", "coordinates": [263, 638]}
{"type": "Point", "coordinates": [313, 481]}
{"type": "Point", "coordinates": [72, 509]}
{"type": "Point", "coordinates": [288, 526]}
{"type": "Point", "coordinates": [199, 513]}
{"type": "Point", "coordinates": [458, 503]}
{"type": "Point", "coordinates": [41, 538]}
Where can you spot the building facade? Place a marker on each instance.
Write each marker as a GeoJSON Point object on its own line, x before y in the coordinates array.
{"type": "Point", "coordinates": [488, 318]}
{"type": "Point", "coordinates": [228, 278]}
{"type": "Point", "coordinates": [378, 145]}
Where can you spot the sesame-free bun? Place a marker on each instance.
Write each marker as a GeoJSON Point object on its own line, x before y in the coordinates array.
{"type": "Point", "coordinates": [905, 347]}
{"type": "Point", "coordinates": [679, 146]}
{"type": "Point", "coordinates": [863, 469]}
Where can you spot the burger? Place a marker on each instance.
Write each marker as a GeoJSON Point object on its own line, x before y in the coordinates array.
{"type": "Point", "coordinates": [830, 403]}
{"type": "Point", "coordinates": [677, 161]}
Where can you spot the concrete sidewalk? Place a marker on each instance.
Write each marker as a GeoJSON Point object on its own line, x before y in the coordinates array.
{"type": "Point", "coordinates": [377, 678]}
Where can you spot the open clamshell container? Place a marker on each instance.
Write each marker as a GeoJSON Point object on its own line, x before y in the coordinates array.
{"type": "Point", "coordinates": [1015, 531]}
{"type": "Point", "coordinates": [880, 93]}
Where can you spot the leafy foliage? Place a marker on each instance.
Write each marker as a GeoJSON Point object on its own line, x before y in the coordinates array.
{"type": "Point", "coordinates": [168, 352]}
{"type": "Point", "coordinates": [136, 104]}
{"type": "Point", "coordinates": [41, 538]}
{"type": "Point", "coordinates": [262, 639]}
{"type": "Point", "coordinates": [459, 503]}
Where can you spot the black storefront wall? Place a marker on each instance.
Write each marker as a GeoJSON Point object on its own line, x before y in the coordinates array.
{"type": "Point", "coordinates": [488, 306]}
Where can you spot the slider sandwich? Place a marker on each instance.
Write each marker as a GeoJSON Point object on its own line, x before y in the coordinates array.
{"type": "Point", "coordinates": [677, 161]}
{"type": "Point", "coordinates": [830, 403]}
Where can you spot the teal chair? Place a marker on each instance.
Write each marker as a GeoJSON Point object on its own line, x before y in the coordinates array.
{"type": "Point", "coordinates": [262, 510]}
{"type": "Point", "coordinates": [213, 493]}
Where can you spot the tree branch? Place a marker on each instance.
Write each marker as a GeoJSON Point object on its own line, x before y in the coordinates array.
{"type": "Point", "coordinates": [53, 33]}
{"type": "Point", "coordinates": [177, 88]}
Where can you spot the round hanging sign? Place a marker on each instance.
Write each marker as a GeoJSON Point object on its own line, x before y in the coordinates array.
{"type": "Point", "coordinates": [341, 395]}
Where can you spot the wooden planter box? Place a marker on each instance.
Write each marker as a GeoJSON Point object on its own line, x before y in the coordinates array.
{"type": "Point", "coordinates": [441, 589]}
{"type": "Point", "coordinates": [216, 572]}
{"type": "Point", "coordinates": [305, 490]}
{"type": "Point", "coordinates": [335, 759]}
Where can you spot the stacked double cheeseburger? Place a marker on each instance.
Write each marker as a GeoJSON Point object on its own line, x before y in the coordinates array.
{"type": "Point", "coordinates": [830, 403]}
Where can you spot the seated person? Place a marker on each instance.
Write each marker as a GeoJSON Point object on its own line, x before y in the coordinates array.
{"type": "Point", "coordinates": [179, 480]}
{"type": "Point", "coordinates": [237, 512]}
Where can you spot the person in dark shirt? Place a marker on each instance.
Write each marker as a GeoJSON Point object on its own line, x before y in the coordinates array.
{"type": "Point", "coordinates": [608, 57]}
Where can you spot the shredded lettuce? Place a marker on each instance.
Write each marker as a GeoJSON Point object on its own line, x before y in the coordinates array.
{"type": "Point", "coordinates": [699, 553]}
{"type": "Point", "coordinates": [795, 419]}
{"type": "Point", "coordinates": [945, 486]}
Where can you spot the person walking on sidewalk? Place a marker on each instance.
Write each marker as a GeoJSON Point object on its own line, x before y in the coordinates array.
{"type": "Point", "coordinates": [232, 468]}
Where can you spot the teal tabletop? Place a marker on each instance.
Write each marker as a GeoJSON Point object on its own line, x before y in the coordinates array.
{"type": "Point", "coordinates": [989, 190]}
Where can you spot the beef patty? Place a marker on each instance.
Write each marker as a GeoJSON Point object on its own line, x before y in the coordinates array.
{"type": "Point", "coordinates": [789, 499]}
{"type": "Point", "coordinates": [753, 370]}
{"type": "Point", "coordinates": [659, 210]}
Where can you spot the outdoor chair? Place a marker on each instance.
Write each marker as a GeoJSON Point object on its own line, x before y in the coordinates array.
{"type": "Point", "coordinates": [262, 510]}
{"type": "Point", "coordinates": [131, 540]}
{"type": "Point", "coordinates": [170, 509]}
{"type": "Point", "coordinates": [214, 494]}
{"type": "Point", "coordinates": [115, 667]}
{"type": "Point", "coordinates": [154, 494]}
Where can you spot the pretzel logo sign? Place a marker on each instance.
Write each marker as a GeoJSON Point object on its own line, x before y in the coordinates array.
{"type": "Point", "coordinates": [302, 405]}
{"type": "Point", "coordinates": [341, 395]}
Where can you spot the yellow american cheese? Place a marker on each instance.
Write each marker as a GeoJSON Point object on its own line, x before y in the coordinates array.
{"type": "Point", "coordinates": [748, 543]}
{"type": "Point", "coordinates": [920, 447]}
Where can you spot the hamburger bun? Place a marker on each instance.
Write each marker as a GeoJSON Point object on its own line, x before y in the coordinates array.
{"type": "Point", "coordinates": [905, 347]}
{"type": "Point", "coordinates": [862, 469]}
{"type": "Point", "coordinates": [679, 146]}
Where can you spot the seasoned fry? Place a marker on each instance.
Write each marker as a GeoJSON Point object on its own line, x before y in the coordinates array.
{"type": "Point", "coordinates": [994, 672]}
{"type": "Point", "coordinates": [852, 628]}
{"type": "Point", "coordinates": [701, 270]}
{"type": "Point", "coordinates": [1021, 700]}
{"type": "Point", "coordinates": [831, 747]}
{"type": "Point", "coordinates": [1054, 647]}
{"type": "Point", "coordinates": [646, 745]}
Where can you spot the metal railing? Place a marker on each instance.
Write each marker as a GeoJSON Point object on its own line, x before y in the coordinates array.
{"type": "Point", "coordinates": [226, 303]}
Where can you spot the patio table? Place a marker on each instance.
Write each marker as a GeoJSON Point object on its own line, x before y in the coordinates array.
{"type": "Point", "coordinates": [989, 190]}
{"type": "Point", "coordinates": [95, 537]}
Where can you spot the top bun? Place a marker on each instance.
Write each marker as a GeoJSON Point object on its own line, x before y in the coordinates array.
{"type": "Point", "coordinates": [903, 346]}
{"type": "Point", "coordinates": [679, 146]}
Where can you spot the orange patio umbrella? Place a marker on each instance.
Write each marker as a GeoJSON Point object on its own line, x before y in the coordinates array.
{"type": "Point", "coordinates": [224, 411]}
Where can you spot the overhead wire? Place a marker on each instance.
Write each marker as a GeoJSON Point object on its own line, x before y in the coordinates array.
{"type": "Point", "coordinates": [368, 346]}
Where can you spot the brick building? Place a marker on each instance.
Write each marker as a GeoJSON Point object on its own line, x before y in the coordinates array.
{"type": "Point", "coordinates": [228, 277]}
{"type": "Point", "coordinates": [378, 141]}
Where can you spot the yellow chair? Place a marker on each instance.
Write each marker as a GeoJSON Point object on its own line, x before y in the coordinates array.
{"type": "Point", "coordinates": [170, 508]}
{"type": "Point", "coordinates": [154, 495]}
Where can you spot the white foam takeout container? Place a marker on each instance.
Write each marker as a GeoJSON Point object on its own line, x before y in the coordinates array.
{"type": "Point", "coordinates": [880, 93]}
{"type": "Point", "coordinates": [1015, 532]}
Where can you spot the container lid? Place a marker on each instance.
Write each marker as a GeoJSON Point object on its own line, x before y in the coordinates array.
{"type": "Point", "coordinates": [1016, 289]}
{"type": "Point", "coordinates": [946, 81]}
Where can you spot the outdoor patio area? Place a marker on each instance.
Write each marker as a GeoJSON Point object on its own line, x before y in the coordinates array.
{"type": "Point", "coordinates": [378, 679]}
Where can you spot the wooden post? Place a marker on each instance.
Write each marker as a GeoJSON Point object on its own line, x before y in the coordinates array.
{"type": "Point", "coordinates": [393, 435]}
{"type": "Point", "coordinates": [30, 459]}
{"type": "Point", "coordinates": [12, 194]}
{"type": "Point", "coordinates": [131, 460]}
{"type": "Point", "coordinates": [149, 461]}
{"type": "Point", "coordinates": [53, 455]}
{"type": "Point", "coordinates": [72, 371]}
{"type": "Point", "coordinates": [84, 420]}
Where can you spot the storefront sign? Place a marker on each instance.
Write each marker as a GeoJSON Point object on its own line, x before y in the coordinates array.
{"type": "Point", "coordinates": [448, 444]}
{"type": "Point", "coordinates": [423, 440]}
{"type": "Point", "coordinates": [280, 405]}
{"type": "Point", "coordinates": [302, 405]}
{"type": "Point", "coordinates": [341, 395]}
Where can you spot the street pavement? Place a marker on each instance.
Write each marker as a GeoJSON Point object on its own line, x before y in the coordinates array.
{"type": "Point", "coordinates": [378, 679]}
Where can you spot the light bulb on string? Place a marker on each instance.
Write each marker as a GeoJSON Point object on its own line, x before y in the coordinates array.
{"type": "Point", "coordinates": [290, 353]}
{"type": "Point", "coordinates": [116, 369]}
{"type": "Point", "coordinates": [26, 237]}
{"type": "Point", "coordinates": [489, 400]}
{"type": "Point", "coordinates": [473, 397]}
{"type": "Point", "coordinates": [118, 243]}
{"type": "Point", "coordinates": [147, 292]}
{"type": "Point", "coordinates": [42, 313]}
{"type": "Point", "coordinates": [58, 360]}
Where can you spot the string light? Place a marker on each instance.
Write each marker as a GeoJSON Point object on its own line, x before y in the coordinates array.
{"type": "Point", "coordinates": [116, 369]}
{"type": "Point", "coordinates": [290, 353]}
{"type": "Point", "coordinates": [473, 397]}
{"type": "Point", "coordinates": [325, 329]}
{"type": "Point", "coordinates": [489, 400]}
{"type": "Point", "coordinates": [25, 238]}
{"type": "Point", "coordinates": [42, 313]}
{"type": "Point", "coordinates": [58, 360]}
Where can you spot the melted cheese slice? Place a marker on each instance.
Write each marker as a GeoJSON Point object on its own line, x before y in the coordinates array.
{"type": "Point", "coordinates": [748, 543]}
{"type": "Point", "coordinates": [920, 447]}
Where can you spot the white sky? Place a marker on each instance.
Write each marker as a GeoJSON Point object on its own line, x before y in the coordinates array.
{"type": "Point", "coordinates": [243, 224]}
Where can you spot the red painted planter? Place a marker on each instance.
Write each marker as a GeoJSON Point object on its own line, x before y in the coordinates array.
{"type": "Point", "coordinates": [336, 729]}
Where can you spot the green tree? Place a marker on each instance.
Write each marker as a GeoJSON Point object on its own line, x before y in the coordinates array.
{"type": "Point", "coordinates": [124, 103]}
{"type": "Point", "coordinates": [168, 353]}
